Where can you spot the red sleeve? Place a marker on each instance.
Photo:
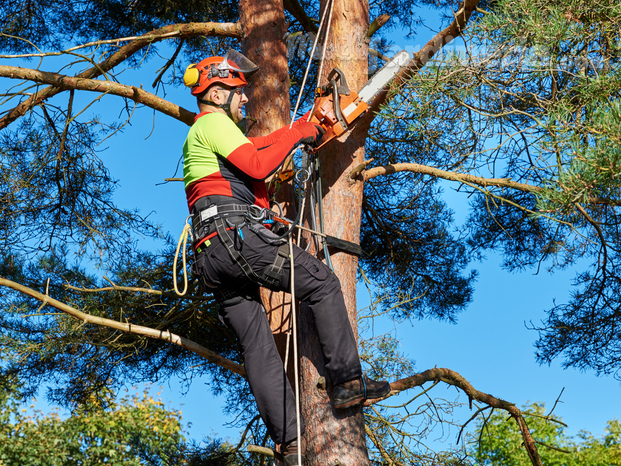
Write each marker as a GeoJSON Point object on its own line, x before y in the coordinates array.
{"type": "Point", "coordinates": [261, 163]}
{"type": "Point", "coordinates": [264, 141]}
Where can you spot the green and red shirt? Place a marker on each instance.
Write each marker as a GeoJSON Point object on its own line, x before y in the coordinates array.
{"type": "Point", "coordinates": [219, 160]}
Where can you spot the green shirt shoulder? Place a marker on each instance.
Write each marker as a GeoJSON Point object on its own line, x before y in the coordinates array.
{"type": "Point", "coordinates": [211, 135]}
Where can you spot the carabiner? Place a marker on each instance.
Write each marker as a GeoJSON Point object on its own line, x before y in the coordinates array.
{"type": "Point", "coordinates": [259, 216]}
{"type": "Point", "coordinates": [302, 175]}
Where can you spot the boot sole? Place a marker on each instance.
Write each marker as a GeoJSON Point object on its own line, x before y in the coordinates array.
{"type": "Point", "coordinates": [292, 460]}
{"type": "Point", "coordinates": [360, 398]}
{"type": "Point", "coordinates": [350, 402]}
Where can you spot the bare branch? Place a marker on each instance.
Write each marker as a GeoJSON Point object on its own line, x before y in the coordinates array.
{"type": "Point", "coordinates": [378, 444]}
{"type": "Point", "coordinates": [265, 451]}
{"type": "Point", "coordinates": [136, 289]}
{"type": "Point", "coordinates": [61, 82]}
{"type": "Point", "coordinates": [297, 11]}
{"type": "Point", "coordinates": [169, 63]}
{"type": "Point", "coordinates": [129, 328]}
{"type": "Point", "coordinates": [167, 32]}
{"type": "Point", "coordinates": [377, 24]}
{"type": "Point", "coordinates": [446, 175]}
{"type": "Point", "coordinates": [453, 378]}
{"type": "Point", "coordinates": [462, 178]}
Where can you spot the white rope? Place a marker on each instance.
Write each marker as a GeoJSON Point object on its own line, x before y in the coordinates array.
{"type": "Point", "coordinates": [325, 44]}
{"type": "Point", "coordinates": [295, 353]}
{"type": "Point", "coordinates": [292, 281]}
{"type": "Point", "coordinates": [310, 60]}
{"type": "Point", "coordinates": [323, 57]}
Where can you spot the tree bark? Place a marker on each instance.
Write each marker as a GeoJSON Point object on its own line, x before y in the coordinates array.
{"type": "Point", "coordinates": [269, 109]}
{"type": "Point", "coordinates": [338, 437]}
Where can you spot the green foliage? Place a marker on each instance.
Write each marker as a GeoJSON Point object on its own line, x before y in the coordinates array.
{"type": "Point", "coordinates": [55, 190]}
{"type": "Point", "coordinates": [36, 343]}
{"type": "Point", "coordinates": [49, 27]}
{"type": "Point", "coordinates": [410, 251]}
{"type": "Point", "coordinates": [498, 441]}
{"type": "Point", "coordinates": [135, 431]}
{"type": "Point", "coordinates": [533, 98]}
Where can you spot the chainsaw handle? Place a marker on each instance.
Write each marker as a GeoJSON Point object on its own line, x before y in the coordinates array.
{"type": "Point", "coordinates": [343, 87]}
{"type": "Point", "coordinates": [336, 96]}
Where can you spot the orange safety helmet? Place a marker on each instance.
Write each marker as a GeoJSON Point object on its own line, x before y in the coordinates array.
{"type": "Point", "coordinates": [230, 70]}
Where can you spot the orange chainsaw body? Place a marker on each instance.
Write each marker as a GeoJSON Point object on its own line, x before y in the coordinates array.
{"type": "Point", "coordinates": [323, 114]}
{"type": "Point", "coordinates": [336, 120]}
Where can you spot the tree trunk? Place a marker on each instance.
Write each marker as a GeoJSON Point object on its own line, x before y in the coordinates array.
{"type": "Point", "coordinates": [338, 437]}
{"type": "Point", "coordinates": [269, 108]}
{"type": "Point", "coordinates": [331, 437]}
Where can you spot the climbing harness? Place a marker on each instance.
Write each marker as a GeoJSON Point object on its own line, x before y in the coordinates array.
{"type": "Point", "coordinates": [221, 218]}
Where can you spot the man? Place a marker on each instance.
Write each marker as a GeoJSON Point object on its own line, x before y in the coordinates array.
{"type": "Point", "coordinates": [225, 176]}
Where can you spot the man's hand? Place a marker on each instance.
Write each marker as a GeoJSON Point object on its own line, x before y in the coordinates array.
{"type": "Point", "coordinates": [311, 133]}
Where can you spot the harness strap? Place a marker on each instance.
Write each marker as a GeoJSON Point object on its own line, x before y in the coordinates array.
{"type": "Point", "coordinates": [233, 252]}
{"type": "Point", "coordinates": [272, 275]}
{"type": "Point", "coordinates": [203, 218]}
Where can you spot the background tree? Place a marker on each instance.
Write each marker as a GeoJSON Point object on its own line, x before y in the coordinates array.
{"type": "Point", "coordinates": [524, 121]}
{"type": "Point", "coordinates": [497, 441]}
{"type": "Point", "coordinates": [133, 430]}
{"type": "Point", "coordinates": [137, 430]}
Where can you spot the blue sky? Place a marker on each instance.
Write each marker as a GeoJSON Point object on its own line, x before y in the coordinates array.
{"type": "Point", "coordinates": [490, 346]}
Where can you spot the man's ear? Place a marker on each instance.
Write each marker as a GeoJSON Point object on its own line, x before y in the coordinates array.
{"type": "Point", "coordinates": [214, 95]}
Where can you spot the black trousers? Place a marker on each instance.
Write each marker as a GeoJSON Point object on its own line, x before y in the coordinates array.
{"type": "Point", "coordinates": [243, 311]}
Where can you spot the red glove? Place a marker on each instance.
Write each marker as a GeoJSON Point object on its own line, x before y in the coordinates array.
{"type": "Point", "coordinates": [311, 133]}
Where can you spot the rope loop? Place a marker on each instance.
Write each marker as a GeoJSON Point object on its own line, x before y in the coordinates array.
{"type": "Point", "coordinates": [187, 232]}
{"type": "Point", "coordinates": [302, 175]}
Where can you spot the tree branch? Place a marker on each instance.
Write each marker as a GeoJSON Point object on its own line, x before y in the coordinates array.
{"type": "Point", "coordinates": [446, 175]}
{"type": "Point", "coordinates": [297, 11]}
{"type": "Point", "coordinates": [129, 328]}
{"type": "Point", "coordinates": [61, 82]}
{"type": "Point", "coordinates": [459, 177]}
{"type": "Point", "coordinates": [136, 289]}
{"type": "Point", "coordinates": [378, 444]}
{"type": "Point", "coordinates": [377, 24]}
{"type": "Point", "coordinates": [167, 32]}
{"type": "Point", "coordinates": [453, 378]}
{"type": "Point", "coordinates": [420, 59]}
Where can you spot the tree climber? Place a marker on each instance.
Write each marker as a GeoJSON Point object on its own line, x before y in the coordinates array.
{"type": "Point", "coordinates": [225, 176]}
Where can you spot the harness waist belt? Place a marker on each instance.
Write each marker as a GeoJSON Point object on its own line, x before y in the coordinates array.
{"type": "Point", "coordinates": [205, 213]}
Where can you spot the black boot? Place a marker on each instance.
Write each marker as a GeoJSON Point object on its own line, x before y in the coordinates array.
{"type": "Point", "coordinates": [356, 391]}
{"type": "Point", "coordinates": [289, 452]}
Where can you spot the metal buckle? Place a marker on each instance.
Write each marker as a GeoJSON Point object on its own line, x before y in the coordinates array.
{"type": "Point", "coordinates": [260, 214]}
{"type": "Point", "coordinates": [302, 175]}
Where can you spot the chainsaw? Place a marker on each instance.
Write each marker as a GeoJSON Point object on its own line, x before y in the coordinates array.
{"type": "Point", "coordinates": [336, 107]}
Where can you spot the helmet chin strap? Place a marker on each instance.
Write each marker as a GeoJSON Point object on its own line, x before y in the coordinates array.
{"type": "Point", "coordinates": [242, 125]}
{"type": "Point", "coordinates": [225, 106]}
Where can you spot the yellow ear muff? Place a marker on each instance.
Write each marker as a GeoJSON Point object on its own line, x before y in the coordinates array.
{"type": "Point", "coordinates": [191, 76]}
